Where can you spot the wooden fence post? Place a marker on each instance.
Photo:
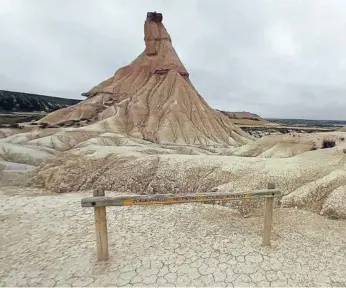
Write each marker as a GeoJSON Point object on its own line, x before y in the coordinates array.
{"type": "Point", "coordinates": [268, 217]}
{"type": "Point", "coordinates": [101, 228]}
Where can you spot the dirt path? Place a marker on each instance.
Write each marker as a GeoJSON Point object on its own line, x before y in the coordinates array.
{"type": "Point", "coordinates": [49, 241]}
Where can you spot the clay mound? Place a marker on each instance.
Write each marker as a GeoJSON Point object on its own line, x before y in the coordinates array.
{"type": "Point", "coordinates": [75, 159]}
{"type": "Point", "coordinates": [153, 99]}
{"type": "Point", "coordinates": [313, 180]}
{"type": "Point", "coordinates": [6, 132]}
{"type": "Point", "coordinates": [288, 145]}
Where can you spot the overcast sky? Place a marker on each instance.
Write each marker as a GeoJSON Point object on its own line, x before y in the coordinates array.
{"type": "Point", "coordinates": [277, 58]}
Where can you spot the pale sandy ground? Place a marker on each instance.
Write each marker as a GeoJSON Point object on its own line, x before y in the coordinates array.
{"type": "Point", "coordinates": [49, 240]}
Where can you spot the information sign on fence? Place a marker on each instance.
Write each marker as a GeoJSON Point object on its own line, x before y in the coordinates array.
{"type": "Point", "coordinates": [99, 202]}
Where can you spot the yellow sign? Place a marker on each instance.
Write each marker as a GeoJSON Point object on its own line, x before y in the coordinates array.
{"type": "Point", "coordinates": [162, 199]}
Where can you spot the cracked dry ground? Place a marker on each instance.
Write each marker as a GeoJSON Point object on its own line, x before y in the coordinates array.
{"type": "Point", "coordinates": [50, 241]}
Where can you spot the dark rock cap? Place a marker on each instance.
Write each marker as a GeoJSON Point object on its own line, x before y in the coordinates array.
{"type": "Point", "coordinates": [153, 16]}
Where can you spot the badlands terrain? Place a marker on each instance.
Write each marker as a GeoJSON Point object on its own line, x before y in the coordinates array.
{"type": "Point", "coordinates": [147, 130]}
{"type": "Point", "coordinates": [67, 160]}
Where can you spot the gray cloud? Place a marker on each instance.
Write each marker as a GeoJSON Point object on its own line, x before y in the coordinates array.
{"type": "Point", "coordinates": [277, 58]}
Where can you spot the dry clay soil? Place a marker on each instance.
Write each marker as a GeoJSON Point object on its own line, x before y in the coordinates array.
{"type": "Point", "coordinates": [49, 240]}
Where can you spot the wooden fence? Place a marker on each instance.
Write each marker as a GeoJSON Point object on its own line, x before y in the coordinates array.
{"type": "Point", "coordinates": [99, 201]}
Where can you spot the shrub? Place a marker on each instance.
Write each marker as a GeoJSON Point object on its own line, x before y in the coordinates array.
{"type": "Point", "coordinates": [14, 125]}
{"type": "Point", "coordinates": [328, 144]}
{"type": "Point", "coordinates": [43, 125]}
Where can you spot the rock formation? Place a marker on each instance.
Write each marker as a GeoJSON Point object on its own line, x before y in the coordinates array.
{"type": "Point", "coordinates": [153, 99]}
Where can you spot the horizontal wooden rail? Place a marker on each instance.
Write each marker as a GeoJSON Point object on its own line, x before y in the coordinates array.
{"type": "Point", "coordinates": [169, 199]}
{"type": "Point", "coordinates": [99, 202]}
